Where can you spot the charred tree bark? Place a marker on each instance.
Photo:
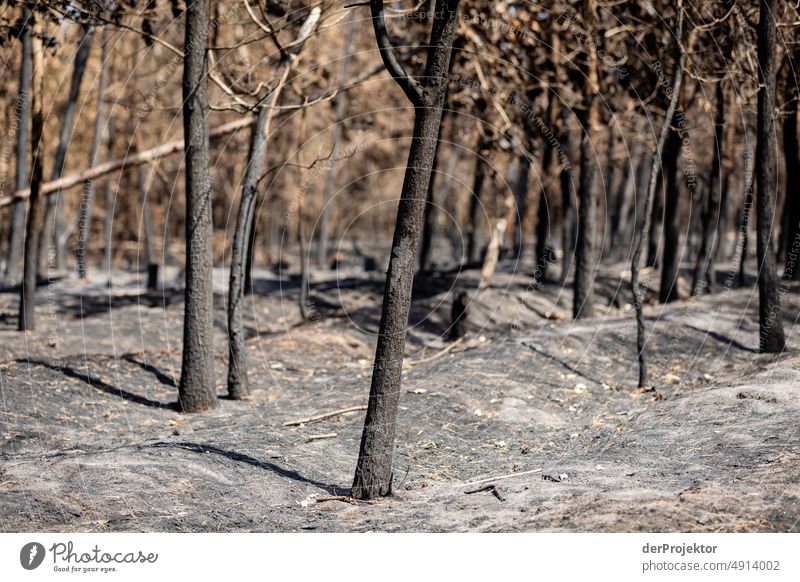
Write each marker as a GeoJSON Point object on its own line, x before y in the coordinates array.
{"type": "Point", "coordinates": [712, 215]}
{"type": "Point", "coordinates": [476, 209]}
{"type": "Point", "coordinates": [655, 170]}
{"type": "Point", "coordinates": [17, 230]}
{"type": "Point", "coordinates": [108, 220]}
{"type": "Point", "coordinates": [373, 475]}
{"type": "Point", "coordinates": [87, 204]}
{"type": "Point", "coordinates": [521, 196]}
{"type": "Point", "coordinates": [27, 296]}
{"type": "Point", "coordinates": [196, 391]}
{"type": "Point", "coordinates": [431, 217]}
{"type": "Point", "coordinates": [792, 203]}
{"type": "Point", "coordinates": [238, 384]}
{"type": "Point", "coordinates": [670, 259]}
{"type": "Point", "coordinates": [585, 252]}
{"type": "Point", "coordinates": [53, 218]}
{"type": "Point", "coordinates": [771, 336]}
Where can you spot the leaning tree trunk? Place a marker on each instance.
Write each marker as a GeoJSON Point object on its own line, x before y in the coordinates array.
{"type": "Point", "coordinates": [703, 273]}
{"type": "Point", "coordinates": [585, 252]}
{"type": "Point", "coordinates": [243, 236]}
{"type": "Point", "coordinates": [655, 171]}
{"type": "Point", "coordinates": [196, 390]}
{"type": "Point", "coordinates": [85, 212]}
{"type": "Point", "coordinates": [17, 230]}
{"type": "Point", "coordinates": [373, 475]}
{"type": "Point", "coordinates": [53, 218]}
{"type": "Point", "coordinates": [792, 203]}
{"type": "Point", "coordinates": [670, 260]}
{"type": "Point", "coordinates": [238, 385]}
{"type": "Point", "coordinates": [771, 336]}
{"type": "Point", "coordinates": [27, 297]}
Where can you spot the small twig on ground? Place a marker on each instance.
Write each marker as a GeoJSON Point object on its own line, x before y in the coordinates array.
{"type": "Point", "coordinates": [319, 417]}
{"type": "Point", "coordinates": [433, 358]}
{"type": "Point", "coordinates": [319, 437]}
{"type": "Point", "coordinates": [345, 498]}
{"type": "Point", "coordinates": [487, 479]}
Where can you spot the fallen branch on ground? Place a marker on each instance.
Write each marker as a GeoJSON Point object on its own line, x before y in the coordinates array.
{"type": "Point", "coordinates": [319, 417]}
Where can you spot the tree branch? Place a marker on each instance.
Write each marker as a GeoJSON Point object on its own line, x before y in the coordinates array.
{"type": "Point", "coordinates": [408, 84]}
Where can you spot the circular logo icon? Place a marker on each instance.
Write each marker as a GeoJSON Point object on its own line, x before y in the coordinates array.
{"type": "Point", "coordinates": [31, 555]}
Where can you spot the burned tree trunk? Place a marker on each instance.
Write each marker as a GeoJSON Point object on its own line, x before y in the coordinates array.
{"type": "Point", "coordinates": [17, 230]}
{"type": "Point", "coordinates": [670, 260]}
{"type": "Point", "coordinates": [711, 216]}
{"type": "Point", "coordinates": [238, 385]}
{"type": "Point", "coordinates": [431, 217]}
{"type": "Point", "coordinates": [655, 170]}
{"type": "Point", "coordinates": [196, 391]}
{"type": "Point", "coordinates": [771, 336]}
{"type": "Point", "coordinates": [521, 195]}
{"type": "Point", "coordinates": [373, 475]}
{"type": "Point", "coordinates": [792, 203]}
{"type": "Point", "coordinates": [27, 297]}
{"type": "Point", "coordinates": [476, 208]}
{"type": "Point", "coordinates": [589, 114]}
{"type": "Point", "coordinates": [85, 213]}
{"type": "Point", "coordinates": [53, 218]}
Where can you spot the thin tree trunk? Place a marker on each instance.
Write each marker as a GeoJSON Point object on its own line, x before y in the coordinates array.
{"type": "Point", "coordinates": [655, 170]}
{"type": "Point", "coordinates": [792, 202]}
{"type": "Point", "coordinates": [431, 218]}
{"type": "Point", "coordinates": [373, 475]}
{"type": "Point", "coordinates": [619, 225]}
{"type": "Point", "coordinates": [243, 237]}
{"type": "Point", "coordinates": [521, 195]}
{"type": "Point", "coordinates": [585, 252]}
{"type": "Point", "coordinates": [238, 384]}
{"type": "Point", "coordinates": [85, 212]}
{"type": "Point", "coordinates": [723, 228]}
{"type": "Point", "coordinates": [53, 217]}
{"type": "Point", "coordinates": [17, 231]}
{"type": "Point", "coordinates": [712, 215]}
{"type": "Point", "coordinates": [670, 259]}
{"type": "Point", "coordinates": [771, 336]}
{"type": "Point", "coordinates": [301, 244]}
{"type": "Point", "coordinates": [340, 102]}
{"type": "Point", "coordinates": [27, 297]}
{"type": "Point", "coordinates": [196, 391]}
{"type": "Point", "coordinates": [476, 209]}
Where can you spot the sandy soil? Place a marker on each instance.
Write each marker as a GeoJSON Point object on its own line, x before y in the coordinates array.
{"type": "Point", "coordinates": [531, 423]}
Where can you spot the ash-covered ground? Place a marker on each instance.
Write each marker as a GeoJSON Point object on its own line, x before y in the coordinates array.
{"type": "Point", "coordinates": [532, 422]}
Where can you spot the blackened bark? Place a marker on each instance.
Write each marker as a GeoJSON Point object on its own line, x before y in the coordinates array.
{"type": "Point", "coordinates": [17, 230]}
{"type": "Point", "coordinates": [53, 219]}
{"type": "Point", "coordinates": [521, 196]}
{"type": "Point", "coordinates": [670, 260]}
{"type": "Point", "coordinates": [196, 391]}
{"type": "Point", "coordinates": [589, 115]}
{"type": "Point", "coordinates": [373, 475]}
{"type": "Point", "coordinates": [792, 203]}
{"type": "Point", "coordinates": [637, 291]}
{"type": "Point", "coordinates": [108, 221]}
{"type": "Point", "coordinates": [771, 336]}
{"type": "Point", "coordinates": [711, 214]}
{"type": "Point", "coordinates": [85, 212]}
{"type": "Point", "coordinates": [27, 297]}
{"type": "Point", "coordinates": [431, 217]}
{"type": "Point", "coordinates": [476, 209]}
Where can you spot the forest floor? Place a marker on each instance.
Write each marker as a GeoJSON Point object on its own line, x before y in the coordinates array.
{"type": "Point", "coordinates": [540, 406]}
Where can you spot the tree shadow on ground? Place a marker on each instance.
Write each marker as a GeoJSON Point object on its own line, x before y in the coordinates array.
{"type": "Point", "coordinates": [247, 459]}
{"type": "Point", "coordinates": [101, 385]}
{"type": "Point", "coordinates": [160, 376]}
